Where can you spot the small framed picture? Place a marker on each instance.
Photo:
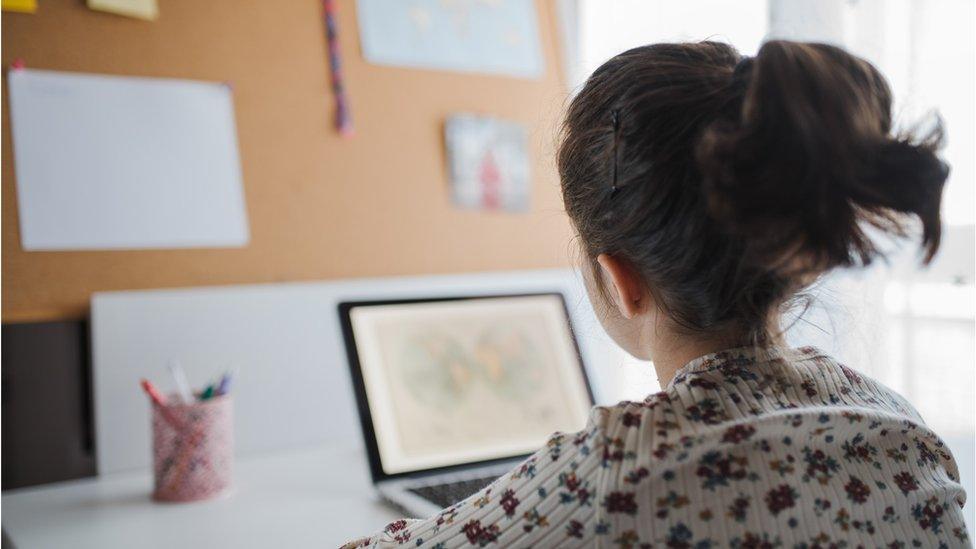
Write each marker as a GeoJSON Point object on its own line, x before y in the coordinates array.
{"type": "Point", "coordinates": [488, 162]}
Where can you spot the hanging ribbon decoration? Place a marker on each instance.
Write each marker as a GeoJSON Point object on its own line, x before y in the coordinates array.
{"type": "Point", "coordinates": [343, 120]}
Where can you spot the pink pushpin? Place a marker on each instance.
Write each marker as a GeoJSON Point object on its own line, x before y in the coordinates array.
{"type": "Point", "coordinates": [18, 64]}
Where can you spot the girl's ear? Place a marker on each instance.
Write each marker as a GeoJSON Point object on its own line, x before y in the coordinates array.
{"type": "Point", "coordinates": [629, 292]}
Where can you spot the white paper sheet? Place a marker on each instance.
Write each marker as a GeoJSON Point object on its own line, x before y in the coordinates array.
{"type": "Point", "coordinates": [108, 162]}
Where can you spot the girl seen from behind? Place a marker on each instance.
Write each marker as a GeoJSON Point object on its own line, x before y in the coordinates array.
{"type": "Point", "coordinates": [708, 190]}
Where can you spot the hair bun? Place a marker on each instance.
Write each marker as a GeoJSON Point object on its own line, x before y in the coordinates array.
{"type": "Point", "coordinates": [806, 162]}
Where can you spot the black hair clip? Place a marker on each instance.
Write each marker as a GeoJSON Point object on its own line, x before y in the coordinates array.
{"type": "Point", "coordinates": [615, 120]}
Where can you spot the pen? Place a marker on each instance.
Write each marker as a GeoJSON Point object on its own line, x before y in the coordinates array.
{"type": "Point", "coordinates": [225, 381]}
{"type": "Point", "coordinates": [154, 395]}
{"type": "Point", "coordinates": [208, 392]}
{"type": "Point", "coordinates": [182, 386]}
{"type": "Point", "coordinates": [159, 400]}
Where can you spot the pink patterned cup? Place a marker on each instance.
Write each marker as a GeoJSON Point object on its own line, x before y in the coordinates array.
{"type": "Point", "coordinates": [193, 449]}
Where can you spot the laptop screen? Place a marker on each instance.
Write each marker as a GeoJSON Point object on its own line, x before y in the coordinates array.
{"type": "Point", "coordinates": [455, 381]}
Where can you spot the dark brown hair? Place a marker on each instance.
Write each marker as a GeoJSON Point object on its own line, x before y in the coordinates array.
{"type": "Point", "coordinates": [731, 183]}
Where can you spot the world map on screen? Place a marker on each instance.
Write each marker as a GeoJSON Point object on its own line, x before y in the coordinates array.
{"type": "Point", "coordinates": [440, 371]}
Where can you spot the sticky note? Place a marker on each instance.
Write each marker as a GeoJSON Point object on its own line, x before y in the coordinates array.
{"type": "Point", "coordinates": [22, 6]}
{"type": "Point", "coordinates": [141, 9]}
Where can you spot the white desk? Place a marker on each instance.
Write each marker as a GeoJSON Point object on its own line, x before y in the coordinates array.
{"type": "Point", "coordinates": [314, 498]}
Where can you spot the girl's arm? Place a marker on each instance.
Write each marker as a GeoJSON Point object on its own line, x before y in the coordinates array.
{"type": "Point", "coordinates": [550, 499]}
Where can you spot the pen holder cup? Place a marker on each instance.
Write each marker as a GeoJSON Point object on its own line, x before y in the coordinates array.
{"type": "Point", "coordinates": [193, 449]}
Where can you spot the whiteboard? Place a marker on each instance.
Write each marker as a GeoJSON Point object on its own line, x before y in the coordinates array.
{"type": "Point", "coordinates": [293, 388]}
{"type": "Point", "coordinates": [109, 162]}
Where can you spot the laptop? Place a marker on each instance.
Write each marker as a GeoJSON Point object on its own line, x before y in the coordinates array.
{"type": "Point", "coordinates": [454, 392]}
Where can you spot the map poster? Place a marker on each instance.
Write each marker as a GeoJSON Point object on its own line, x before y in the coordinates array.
{"type": "Point", "coordinates": [498, 37]}
{"type": "Point", "coordinates": [469, 380]}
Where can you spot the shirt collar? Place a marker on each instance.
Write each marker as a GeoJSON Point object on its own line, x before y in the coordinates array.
{"type": "Point", "coordinates": [741, 357]}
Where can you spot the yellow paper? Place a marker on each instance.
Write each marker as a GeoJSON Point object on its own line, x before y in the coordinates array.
{"type": "Point", "coordinates": [23, 6]}
{"type": "Point", "coordinates": [142, 9]}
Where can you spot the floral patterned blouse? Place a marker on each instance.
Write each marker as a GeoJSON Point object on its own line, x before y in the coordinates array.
{"type": "Point", "coordinates": [745, 449]}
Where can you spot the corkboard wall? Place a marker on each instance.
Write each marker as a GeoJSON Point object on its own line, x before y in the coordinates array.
{"type": "Point", "coordinates": [319, 206]}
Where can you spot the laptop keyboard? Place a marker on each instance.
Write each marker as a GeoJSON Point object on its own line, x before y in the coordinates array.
{"type": "Point", "coordinates": [445, 495]}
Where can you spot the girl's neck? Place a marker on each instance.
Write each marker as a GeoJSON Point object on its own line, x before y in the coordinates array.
{"type": "Point", "coordinates": [672, 352]}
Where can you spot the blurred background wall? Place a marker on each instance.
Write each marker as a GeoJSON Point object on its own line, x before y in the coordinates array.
{"type": "Point", "coordinates": [319, 206]}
